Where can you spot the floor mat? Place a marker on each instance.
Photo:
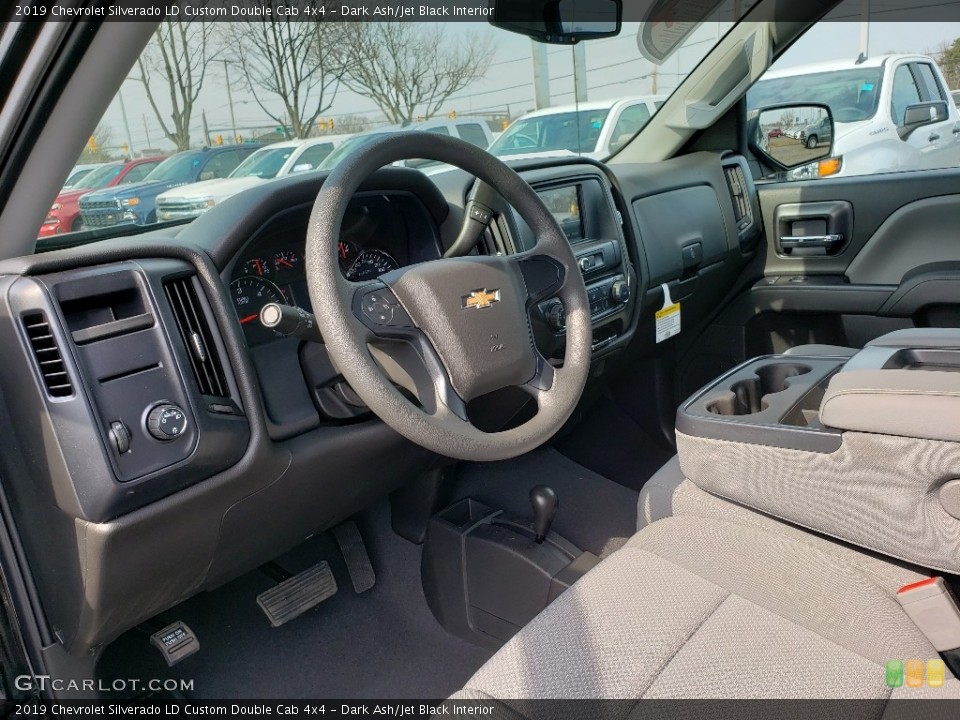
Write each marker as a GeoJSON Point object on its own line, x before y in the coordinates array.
{"type": "Point", "coordinates": [596, 514]}
{"type": "Point", "coordinates": [384, 643]}
{"type": "Point", "coordinates": [609, 442]}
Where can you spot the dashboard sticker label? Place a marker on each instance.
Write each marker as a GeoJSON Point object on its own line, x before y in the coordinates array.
{"type": "Point", "coordinates": [668, 317]}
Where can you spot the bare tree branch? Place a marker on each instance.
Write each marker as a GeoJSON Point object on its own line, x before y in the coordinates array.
{"type": "Point", "coordinates": [408, 70]}
{"type": "Point", "coordinates": [179, 53]}
{"type": "Point", "coordinates": [287, 59]}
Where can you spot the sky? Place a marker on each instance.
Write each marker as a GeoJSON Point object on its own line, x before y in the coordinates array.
{"type": "Point", "coordinates": [615, 68]}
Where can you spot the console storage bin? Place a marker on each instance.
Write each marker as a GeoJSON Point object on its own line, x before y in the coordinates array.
{"type": "Point", "coordinates": [867, 451]}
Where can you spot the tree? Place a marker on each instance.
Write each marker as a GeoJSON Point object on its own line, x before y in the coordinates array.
{"type": "Point", "coordinates": [99, 148]}
{"type": "Point", "coordinates": [286, 58]}
{"type": "Point", "coordinates": [948, 58]}
{"type": "Point", "coordinates": [180, 53]}
{"type": "Point", "coordinates": [407, 69]}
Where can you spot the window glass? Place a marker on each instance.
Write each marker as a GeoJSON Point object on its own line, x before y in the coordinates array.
{"type": "Point", "coordinates": [905, 93]}
{"type": "Point", "coordinates": [138, 173]}
{"type": "Point", "coordinates": [314, 155]}
{"type": "Point", "coordinates": [631, 120]}
{"type": "Point", "coordinates": [558, 132]}
{"type": "Point", "coordinates": [934, 90]}
{"type": "Point", "coordinates": [99, 177]}
{"type": "Point", "coordinates": [220, 165]}
{"type": "Point", "coordinates": [473, 134]}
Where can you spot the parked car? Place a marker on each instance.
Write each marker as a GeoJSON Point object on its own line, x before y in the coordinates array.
{"type": "Point", "coordinates": [775, 133]}
{"type": "Point", "coordinates": [471, 130]}
{"type": "Point", "coordinates": [813, 135]}
{"type": "Point", "coordinates": [64, 215]}
{"type": "Point", "coordinates": [592, 129]}
{"type": "Point", "coordinates": [78, 173]}
{"type": "Point", "coordinates": [136, 203]}
{"type": "Point", "coordinates": [869, 100]}
{"type": "Point", "coordinates": [956, 97]}
{"type": "Point", "coordinates": [273, 161]}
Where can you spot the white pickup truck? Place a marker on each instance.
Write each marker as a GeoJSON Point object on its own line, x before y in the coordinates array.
{"type": "Point", "coordinates": [869, 100]}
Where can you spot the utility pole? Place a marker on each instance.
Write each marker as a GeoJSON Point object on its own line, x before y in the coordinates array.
{"type": "Point", "coordinates": [541, 75]}
{"type": "Point", "coordinates": [865, 28]}
{"type": "Point", "coordinates": [206, 130]}
{"type": "Point", "coordinates": [580, 71]}
{"type": "Point", "coordinates": [146, 131]}
{"type": "Point", "coordinates": [233, 120]}
{"type": "Point", "coordinates": [126, 125]}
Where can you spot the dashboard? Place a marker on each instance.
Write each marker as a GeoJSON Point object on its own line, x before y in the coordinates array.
{"type": "Point", "coordinates": [172, 443]}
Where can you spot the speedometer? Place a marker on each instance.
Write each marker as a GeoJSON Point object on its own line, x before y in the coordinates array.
{"type": "Point", "coordinates": [371, 264]}
{"type": "Point", "coordinates": [249, 295]}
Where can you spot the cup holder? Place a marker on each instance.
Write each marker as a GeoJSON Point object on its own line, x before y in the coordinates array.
{"type": "Point", "coordinates": [746, 396]}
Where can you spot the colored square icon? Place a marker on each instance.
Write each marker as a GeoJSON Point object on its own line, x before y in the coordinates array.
{"type": "Point", "coordinates": [894, 673]}
{"type": "Point", "coordinates": [936, 673]}
{"type": "Point", "coordinates": [914, 673]}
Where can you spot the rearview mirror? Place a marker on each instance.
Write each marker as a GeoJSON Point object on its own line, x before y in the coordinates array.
{"type": "Point", "coordinates": [916, 116]}
{"type": "Point", "coordinates": [792, 135]}
{"type": "Point", "coordinates": [559, 22]}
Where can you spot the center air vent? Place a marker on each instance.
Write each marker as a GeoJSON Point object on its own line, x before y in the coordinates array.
{"type": "Point", "coordinates": [197, 336]}
{"type": "Point", "coordinates": [742, 209]}
{"type": "Point", "coordinates": [47, 354]}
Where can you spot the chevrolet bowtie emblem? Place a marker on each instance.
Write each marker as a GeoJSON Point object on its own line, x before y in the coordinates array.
{"type": "Point", "coordinates": [480, 299]}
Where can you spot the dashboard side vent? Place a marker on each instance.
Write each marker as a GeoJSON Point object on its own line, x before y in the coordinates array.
{"type": "Point", "coordinates": [197, 336]}
{"type": "Point", "coordinates": [47, 354]}
{"type": "Point", "coordinates": [742, 209]}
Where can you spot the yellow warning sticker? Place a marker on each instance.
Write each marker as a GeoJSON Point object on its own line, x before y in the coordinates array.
{"type": "Point", "coordinates": [668, 321]}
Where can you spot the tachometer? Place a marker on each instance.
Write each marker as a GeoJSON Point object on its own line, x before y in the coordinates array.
{"type": "Point", "coordinates": [287, 264]}
{"type": "Point", "coordinates": [249, 295]}
{"type": "Point", "coordinates": [371, 264]}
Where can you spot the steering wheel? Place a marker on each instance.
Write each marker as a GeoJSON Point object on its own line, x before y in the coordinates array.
{"type": "Point", "coordinates": [454, 329]}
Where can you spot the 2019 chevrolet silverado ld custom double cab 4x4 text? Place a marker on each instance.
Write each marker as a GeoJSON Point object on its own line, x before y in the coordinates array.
{"type": "Point", "coordinates": [673, 415]}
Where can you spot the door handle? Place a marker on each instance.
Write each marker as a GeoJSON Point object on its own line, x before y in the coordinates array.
{"type": "Point", "coordinates": [934, 137]}
{"type": "Point", "coordinates": [811, 241]}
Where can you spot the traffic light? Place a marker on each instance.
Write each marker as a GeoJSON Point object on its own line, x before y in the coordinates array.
{"type": "Point", "coordinates": [453, 114]}
{"type": "Point", "coordinates": [219, 140]}
{"type": "Point", "coordinates": [505, 124]}
{"type": "Point", "coordinates": [125, 148]}
{"type": "Point", "coordinates": [239, 139]}
{"type": "Point", "coordinates": [92, 144]}
{"type": "Point", "coordinates": [330, 124]}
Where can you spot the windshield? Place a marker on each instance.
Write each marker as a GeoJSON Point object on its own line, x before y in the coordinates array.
{"type": "Point", "coordinates": [852, 95]}
{"type": "Point", "coordinates": [177, 168]}
{"type": "Point", "coordinates": [98, 178]}
{"type": "Point", "coordinates": [264, 163]}
{"type": "Point", "coordinates": [234, 83]}
{"type": "Point", "coordinates": [575, 132]}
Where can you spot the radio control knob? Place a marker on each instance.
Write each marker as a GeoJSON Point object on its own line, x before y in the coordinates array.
{"type": "Point", "coordinates": [620, 291]}
{"type": "Point", "coordinates": [166, 422]}
{"type": "Point", "coordinates": [556, 318]}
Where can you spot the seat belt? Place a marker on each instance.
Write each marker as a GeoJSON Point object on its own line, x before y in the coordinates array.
{"type": "Point", "coordinates": [935, 611]}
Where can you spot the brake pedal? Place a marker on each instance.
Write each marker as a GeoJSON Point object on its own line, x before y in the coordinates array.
{"type": "Point", "coordinates": [175, 642]}
{"type": "Point", "coordinates": [355, 555]}
{"type": "Point", "coordinates": [296, 595]}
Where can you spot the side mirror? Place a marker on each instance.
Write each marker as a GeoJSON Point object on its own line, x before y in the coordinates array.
{"type": "Point", "coordinates": [302, 167]}
{"type": "Point", "coordinates": [559, 22]}
{"type": "Point", "coordinates": [789, 136]}
{"type": "Point", "coordinates": [916, 116]}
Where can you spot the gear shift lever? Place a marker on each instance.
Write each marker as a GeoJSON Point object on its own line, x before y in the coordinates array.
{"type": "Point", "coordinates": [545, 503]}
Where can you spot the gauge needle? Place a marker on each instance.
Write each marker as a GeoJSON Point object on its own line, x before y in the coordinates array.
{"type": "Point", "coordinates": [248, 318]}
{"type": "Point", "coordinates": [285, 263]}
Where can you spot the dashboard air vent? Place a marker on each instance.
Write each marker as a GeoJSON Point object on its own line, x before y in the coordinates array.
{"type": "Point", "coordinates": [197, 336]}
{"type": "Point", "coordinates": [47, 354]}
{"type": "Point", "coordinates": [742, 209]}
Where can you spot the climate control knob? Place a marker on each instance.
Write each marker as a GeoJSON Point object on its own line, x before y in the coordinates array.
{"type": "Point", "coordinates": [620, 291]}
{"type": "Point", "coordinates": [166, 422]}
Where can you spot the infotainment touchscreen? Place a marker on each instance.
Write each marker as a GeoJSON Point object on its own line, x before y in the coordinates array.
{"type": "Point", "coordinates": [564, 204]}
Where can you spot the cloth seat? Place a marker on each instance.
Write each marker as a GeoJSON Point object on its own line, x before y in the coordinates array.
{"type": "Point", "coordinates": [712, 600]}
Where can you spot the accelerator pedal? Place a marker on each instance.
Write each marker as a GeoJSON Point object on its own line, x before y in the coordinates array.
{"type": "Point", "coordinates": [175, 642]}
{"type": "Point", "coordinates": [296, 595]}
{"type": "Point", "coordinates": [355, 555]}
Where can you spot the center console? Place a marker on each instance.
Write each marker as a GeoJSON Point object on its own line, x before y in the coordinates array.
{"type": "Point", "coordinates": [865, 449]}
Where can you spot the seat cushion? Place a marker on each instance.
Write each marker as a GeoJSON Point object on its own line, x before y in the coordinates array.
{"type": "Point", "coordinates": [697, 607]}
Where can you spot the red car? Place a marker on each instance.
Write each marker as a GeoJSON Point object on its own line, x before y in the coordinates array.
{"type": "Point", "coordinates": [775, 133]}
{"type": "Point", "coordinates": [64, 216]}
